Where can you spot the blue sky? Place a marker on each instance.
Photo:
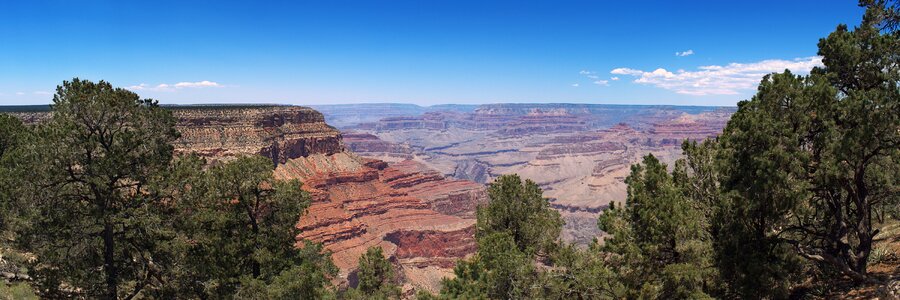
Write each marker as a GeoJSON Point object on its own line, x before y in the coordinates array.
{"type": "Point", "coordinates": [423, 52]}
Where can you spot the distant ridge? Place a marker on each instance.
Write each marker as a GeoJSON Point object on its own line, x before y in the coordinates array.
{"type": "Point", "coordinates": [47, 107]}
{"type": "Point", "coordinates": [24, 108]}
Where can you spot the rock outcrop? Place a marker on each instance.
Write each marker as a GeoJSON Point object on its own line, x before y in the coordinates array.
{"type": "Point", "coordinates": [278, 132]}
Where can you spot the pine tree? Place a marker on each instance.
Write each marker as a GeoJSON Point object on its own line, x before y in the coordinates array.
{"type": "Point", "coordinates": [659, 239]}
{"type": "Point", "coordinates": [238, 232]}
{"type": "Point", "coordinates": [96, 229]}
{"type": "Point", "coordinates": [513, 230]}
{"type": "Point", "coordinates": [520, 210]}
{"type": "Point", "coordinates": [376, 278]}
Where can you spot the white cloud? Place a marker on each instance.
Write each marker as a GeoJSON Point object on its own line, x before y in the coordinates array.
{"type": "Point", "coordinates": [585, 72]}
{"type": "Point", "coordinates": [197, 84]}
{"type": "Point", "coordinates": [718, 80]}
{"type": "Point", "coordinates": [593, 76]}
{"type": "Point", "coordinates": [614, 78]}
{"type": "Point", "coordinates": [137, 87]}
{"type": "Point", "coordinates": [575, 85]}
{"type": "Point", "coordinates": [602, 82]}
{"type": "Point", "coordinates": [171, 87]}
{"type": "Point", "coordinates": [20, 93]}
{"type": "Point", "coordinates": [684, 53]}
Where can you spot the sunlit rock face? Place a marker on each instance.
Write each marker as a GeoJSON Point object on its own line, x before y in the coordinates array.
{"type": "Point", "coordinates": [278, 132]}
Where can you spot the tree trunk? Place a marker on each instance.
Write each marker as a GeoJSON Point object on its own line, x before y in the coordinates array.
{"type": "Point", "coordinates": [109, 264]}
{"type": "Point", "coordinates": [256, 271]}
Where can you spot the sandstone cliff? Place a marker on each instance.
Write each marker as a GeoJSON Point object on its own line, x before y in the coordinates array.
{"type": "Point", "coordinates": [278, 132]}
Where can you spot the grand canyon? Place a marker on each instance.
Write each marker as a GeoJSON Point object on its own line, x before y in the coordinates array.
{"type": "Point", "coordinates": [408, 178]}
{"type": "Point", "coordinates": [450, 150]}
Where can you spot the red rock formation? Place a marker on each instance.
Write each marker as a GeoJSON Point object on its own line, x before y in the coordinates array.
{"type": "Point", "coordinates": [443, 248]}
{"type": "Point", "coordinates": [370, 145]}
{"type": "Point", "coordinates": [448, 196]}
{"type": "Point", "coordinates": [359, 202]}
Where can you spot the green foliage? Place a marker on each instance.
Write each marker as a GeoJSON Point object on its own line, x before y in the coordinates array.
{"type": "Point", "coordinates": [16, 291]}
{"type": "Point", "coordinates": [513, 229]}
{"type": "Point", "coordinates": [659, 242]}
{"type": "Point", "coordinates": [762, 167]}
{"type": "Point", "coordinates": [376, 277]}
{"type": "Point", "coordinates": [97, 228]}
{"type": "Point", "coordinates": [108, 213]}
{"type": "Point", "coordinates": [14, 208]}
{"type": "Point", "coordinates": [307, 280]}
{"type": "Point", "coordinates": [498, 271]}
{"type": "Point", "coordinates": [520, 210]}
{"type": "Point", "coordinates": [237, 232]}
{"type": "Point", "coordinates": [580, 274]}
{"type": "Point", "coordinates": [811, 161]}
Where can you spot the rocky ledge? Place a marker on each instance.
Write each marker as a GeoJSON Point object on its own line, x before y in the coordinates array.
{"type": "Point", "coordinates": [278, 132]}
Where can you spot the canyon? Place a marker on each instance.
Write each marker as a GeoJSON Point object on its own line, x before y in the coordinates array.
{"type": "Point", "coordinates": [409, 178]}
{"type": "Point", "coordinates": [579, 154]}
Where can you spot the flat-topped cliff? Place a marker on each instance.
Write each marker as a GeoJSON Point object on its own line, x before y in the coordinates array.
{"type": "Point", "coordinates": [278, 132]}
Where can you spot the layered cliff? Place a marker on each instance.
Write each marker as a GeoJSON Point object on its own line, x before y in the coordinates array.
{"type": "Point", "coordinates": [278, 132]}
{"type": "Point", "coordinates": [359, 203]}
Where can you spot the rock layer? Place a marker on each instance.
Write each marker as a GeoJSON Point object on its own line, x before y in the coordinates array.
{"type": "Point", "coordinates": [278, 132]}
{"type": "Point", "coordinates": [359, 203]}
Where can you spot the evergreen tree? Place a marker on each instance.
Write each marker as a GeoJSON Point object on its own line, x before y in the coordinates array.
{"type": "Point", "coordinates": [499, 270]}
{"type": "Point", "coordinates": [659, 240]}
{"type": "Point", "coordinates": [808, 165]}
{"type": "Point", "coordinates": [13, 144]}
{"type": "Point", "coordinates": [513, 229]}
{"type": "Point", "coordinates": [238, 232]}
{"type": "Point", "coordinates": [16, 205]}
{"type": "Point", "coordinates": [580, 274]}
{"type": "Point", "coordinates": [376, 277]}
{"type": "Point", "coordinates": [762, 174]}
{"type": "Point", "coordinates": [97, 227]}
{"type": "Point", "coordinates": [520, 210]}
